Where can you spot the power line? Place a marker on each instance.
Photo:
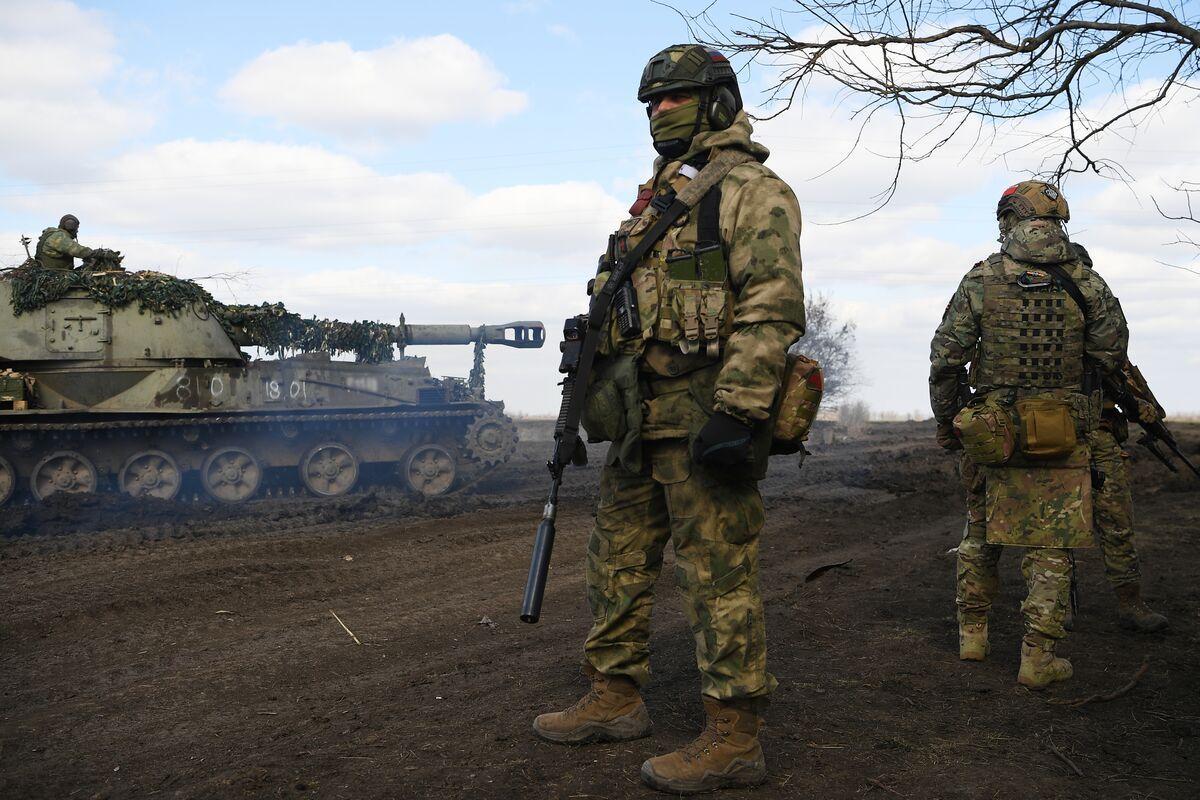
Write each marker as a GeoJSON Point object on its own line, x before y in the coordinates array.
{"type": "Point", "coordinates": [340, 174]}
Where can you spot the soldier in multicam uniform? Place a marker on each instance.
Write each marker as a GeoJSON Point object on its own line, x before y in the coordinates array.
{"type": "Point", "coordinates": [684, 388]}
{"type": "Point", "coordinates": [1114, 517]}
{"type": "Point", "coordinates": [1017, 319]}
{"type": "Point", "coordinates": [1113, 501]}
{"type": "Point", "coordinates": [57, 248]}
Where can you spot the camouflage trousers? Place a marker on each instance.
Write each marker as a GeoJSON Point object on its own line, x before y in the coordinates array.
{"type": "Point", "coordinates": [1113, 509]}
{"type": "Point", "coordinates": [1047, 572]}
{"type": "Point", "coordinates": [714, 527]}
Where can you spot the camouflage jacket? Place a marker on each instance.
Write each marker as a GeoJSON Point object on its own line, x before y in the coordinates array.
{"type": "Point", "coordinates": [1032, 242]}
{"type": "Point", "coordinates": [57, 249]}
{"type": "Point", "coordinates": [763, 310]}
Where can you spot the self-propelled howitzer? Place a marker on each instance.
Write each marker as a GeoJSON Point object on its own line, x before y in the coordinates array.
{"type": "Point", "coordinates": [136, 382]}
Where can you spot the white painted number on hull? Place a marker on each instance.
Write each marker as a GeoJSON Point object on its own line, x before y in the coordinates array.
{"type": "Point", "coordinates": [297, 390]}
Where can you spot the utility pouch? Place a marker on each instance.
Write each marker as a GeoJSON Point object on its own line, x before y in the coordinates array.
{"type": "Point", "coordinates": [1047, 427]}
{"type": "Point", "coordinates": [612, 404]}
{"type": "Point", "coordinates": [1039, 506]}
{"type": "Point", "coordinates": [603, 412]}
{"type": "Point", "coordinates": [799, 399]}
{"type": "Point", "coordinates": [988, 432]}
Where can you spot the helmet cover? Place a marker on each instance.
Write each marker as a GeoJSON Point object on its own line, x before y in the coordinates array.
{"type": "Point", "coordinates": [686, 68]}
{"type": "Point", "coordinates": [1030, 199]}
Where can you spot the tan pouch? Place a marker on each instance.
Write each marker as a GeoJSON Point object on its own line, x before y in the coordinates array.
{"type": "Point", "coordinates": [988, 432]}
{"type": "Point", "coordinates": [799, 400]}
{"type": "Point", "coordinates": [1047, 427]}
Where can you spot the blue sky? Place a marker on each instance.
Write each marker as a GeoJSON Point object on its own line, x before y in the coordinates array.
{"type": "Point", "coordinates": [463, 162]}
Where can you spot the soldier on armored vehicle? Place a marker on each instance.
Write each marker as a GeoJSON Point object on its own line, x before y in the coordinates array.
{"type": "Point", "coordinates": [135, 382]}
{"type": "Point", "coordinates": [57, 248]}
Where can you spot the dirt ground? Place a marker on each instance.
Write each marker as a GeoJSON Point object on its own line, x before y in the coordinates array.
{"type": "Point", "coordinates": [184, 651]}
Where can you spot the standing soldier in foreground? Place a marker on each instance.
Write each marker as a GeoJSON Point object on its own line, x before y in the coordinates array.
{"type": "Point", "coordinates": [57, 247]}
{"type": "Point", "coordinates": [1041, 329]}
{"type": "Point", "coordinates": [684, 388]}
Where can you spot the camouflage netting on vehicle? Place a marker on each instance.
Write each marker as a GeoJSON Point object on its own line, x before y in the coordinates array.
{"type": "Point", "coordinates": [273, 327]}
{"type": "Point", "coordinates": [269, 325]}
{"type": "Point", "coordinates": [34, 287]}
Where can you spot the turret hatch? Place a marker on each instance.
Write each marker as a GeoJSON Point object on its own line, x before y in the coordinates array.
{"type": "Point", "coordinates": [77, 328]}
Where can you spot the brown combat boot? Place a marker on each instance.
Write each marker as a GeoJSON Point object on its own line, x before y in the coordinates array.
{"type": "Point", "coordinates": [1040, 667]}
{"type": "Point", "coordinates": [973, 641]}
{"type": "Point", "coordinates": [1133, 613]}
{"type": "Point", "coordinates": [611, 711]}
{"type": "Point", "coordinates": [726, 753]}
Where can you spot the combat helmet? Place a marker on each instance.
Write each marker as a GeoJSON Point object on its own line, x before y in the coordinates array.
{"type": "Point", "coordinates": [1030, 199]}
{"type": "Point", "coordinates": [692, 68]}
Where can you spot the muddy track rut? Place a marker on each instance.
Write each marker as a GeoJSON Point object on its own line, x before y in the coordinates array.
{"type": "Point", "coordinates": [195, 655]}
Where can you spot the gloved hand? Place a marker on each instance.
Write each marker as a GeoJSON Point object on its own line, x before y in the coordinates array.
{"type": "Point", "coordinates": [1147, 413]}
{"type": "Point", "coordinates": [103, 258]}
{"type": "Point", "coordinates": [724, 441]}
{"type": "Point", "coordinates": [947, 439]}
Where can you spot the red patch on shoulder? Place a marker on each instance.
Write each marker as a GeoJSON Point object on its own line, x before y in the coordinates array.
{"type": "Point", "coordinates": [643, 199]}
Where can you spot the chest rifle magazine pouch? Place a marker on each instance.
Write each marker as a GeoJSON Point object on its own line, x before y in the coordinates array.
{"type": "Point", "coordinates": [799, 400]}
{"type": "Point", "coordinates": [1047, 428]}
{"type": "Point", "coordinates": [988, 432]}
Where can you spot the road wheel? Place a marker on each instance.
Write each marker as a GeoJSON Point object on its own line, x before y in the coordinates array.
{"type": "Point", "coordinates": [231, 475]}
{"type": "Point", "coordinates": [429, 470]}
{"type": "Point", "coordinates": [151, 473]}
{"type": "Point", "coordinates": [8, 480]}
{"type": "Point", "coordinates": [329, 469]}
{"type": "Point", "coordinates": [65, 471]}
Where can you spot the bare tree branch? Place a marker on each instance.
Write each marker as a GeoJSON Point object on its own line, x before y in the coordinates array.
{"type": "Point", "coordinates": [1102, 65]}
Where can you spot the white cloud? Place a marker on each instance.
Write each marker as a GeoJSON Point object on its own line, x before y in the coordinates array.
{"type": "Point", "coordinates": [259, 193]}
{"type": "Point", "coordinates": [54, 112]}
{"type": "Point", "coordinates": [402, 89]}
{"type": "Point", "coordinates": [893, 271]}
{"type": "Point", "coordinates": [563, 31]}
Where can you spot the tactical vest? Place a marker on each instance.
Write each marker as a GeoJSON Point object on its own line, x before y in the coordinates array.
{"type": "Point", "coordinates": [1032, 330]}
{"type": "Point", "coordinates": [682, 293]}
{"type": "Point", "coordinates": [56, 261]}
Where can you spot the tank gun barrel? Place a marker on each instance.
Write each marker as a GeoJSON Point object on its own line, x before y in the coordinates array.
{"type": "Point", "coordinates": [525, 334]}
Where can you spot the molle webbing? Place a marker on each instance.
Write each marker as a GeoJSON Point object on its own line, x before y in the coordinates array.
{"type": "Point", "coordinates": [1031, 338]}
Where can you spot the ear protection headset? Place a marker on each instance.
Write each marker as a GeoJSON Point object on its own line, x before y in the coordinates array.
{"type": "Point", "coordinates": [723, 106]}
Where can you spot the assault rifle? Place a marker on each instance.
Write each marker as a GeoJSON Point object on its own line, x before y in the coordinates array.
{"type": "Point", "coordinates": [1128, 389]}
{"type": "Point", "coordinates": [581, 338]}
{"type": "Point", "coordinates": [568, 449]}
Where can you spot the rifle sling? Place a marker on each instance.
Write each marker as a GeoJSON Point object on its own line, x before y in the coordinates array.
{"type": "Point", "coordinates": [687, 198]}
{"type": "Point", "coordinates": [708, 178]}
{"type": "Point", "coordinates": [1119, 388]}
{"type": "Point", "coordinates": [1070, 286]}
